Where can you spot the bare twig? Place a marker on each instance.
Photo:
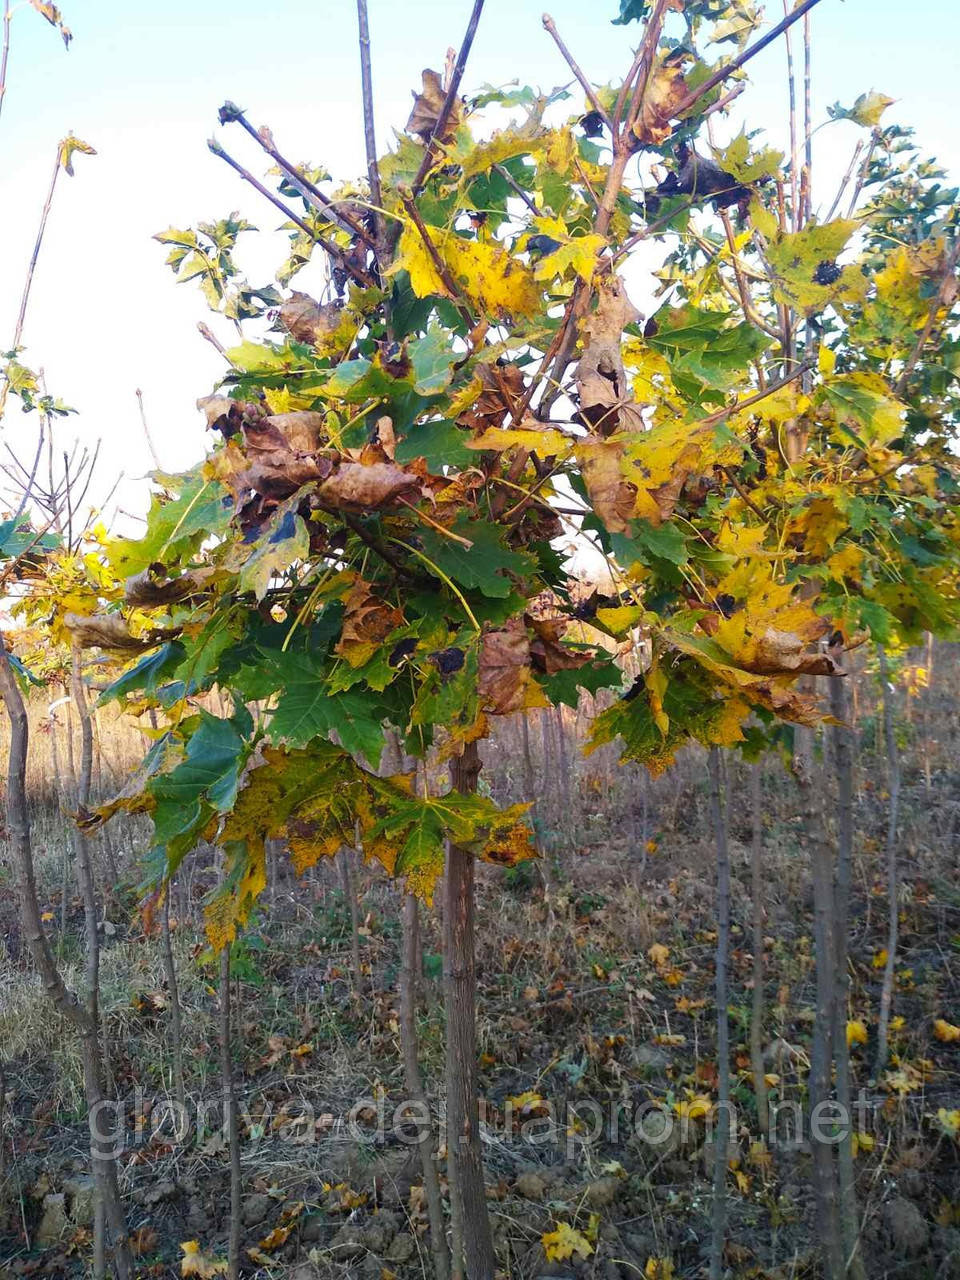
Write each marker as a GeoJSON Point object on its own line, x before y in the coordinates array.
{"type": "Point", "coordinates": [735, 64]}
{"type": "Point", "coordinates": [794, 153]}
{"type": "Point", "coordinates": [5, 54]}
{"type": "Point", "coordinates": [369, 131]}
{"type": "Point", "coordinates": [331, 209]}
{"type": "Point", "coordinates": [517, 189]}
{"type": "Point", "coordinates": [212, 338]}
{"type": "Point", "coordinates": [146, 431]}
{"type": "Point", "coordinates": [334, 250]}
{"type": "Point", "coordinates": [571, 62]}
{"type": "Point", "coordinates": [452, 90]}
{"type": "Point", "coordinates": [807, 116]}
{"type": "Point", "coordinates": [843, 185]}
{"type": "Point", "coordinates": [864, 170]}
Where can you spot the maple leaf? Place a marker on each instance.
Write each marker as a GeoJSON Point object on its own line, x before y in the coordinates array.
{"type": "Point", "coordinates": [565, 1242]}
{"type": "Point", "coordinates": [665, 90]}
{"type": "Point", "coordinates": [490, 278]}
{"type": "Point", "coordinates": [197, 1263]}
{"type": "Point", "coordinates": [427, 108]}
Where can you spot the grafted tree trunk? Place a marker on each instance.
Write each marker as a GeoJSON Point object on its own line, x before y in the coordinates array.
{"type": "Point", "coordinates": [103, 1161]}
{"type": "Point", "coordinates": [230, 1115]}
{"type": "Point", "coordinates": [821, 1054]}
{"type": "Point", "coordinates": [757, 912]}
{"type": "Point", "coordinates": [843, 762]}
{"type": "Point", "coordinates": [721, 1133]}
{"type": "Point", "coordinates": [893, 879]}
{"type": "Point", "coordinates": [413, 1081]}
{"type": "Point", "coordinates": [472, 1244]}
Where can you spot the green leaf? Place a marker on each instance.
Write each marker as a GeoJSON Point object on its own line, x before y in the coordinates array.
{"type": "Point", "coordinates": [175, 525]}
{"type": "Point", "coordinates": [482, 565]}
{"type": "Point", "coordinates": [632, 11]}
{"type": "Point", "coordinates": [432, 360]}
{"type": "Point", "coordinates": [306, 709]}
{"type": "Point", "coordinates": [665, 543]}
{"type": "Point", "coordinates": [440, 443]}
{"type": "Point", "coordinates": [146, 675]}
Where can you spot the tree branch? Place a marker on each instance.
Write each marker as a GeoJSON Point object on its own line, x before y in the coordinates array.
{"type": "Point", "coordinates": [725, 72]}
{"type": "Point", "coordinates": [450, 99]}
{"type": "Point", "coordinates": [571, 62]}
{"type": "Point", "coordinates": [334, 250]}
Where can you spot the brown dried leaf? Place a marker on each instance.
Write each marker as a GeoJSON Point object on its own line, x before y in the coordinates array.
{"type": "Point", "coordinates": [105, 631]}
{"type": "Point", "coordinates": [602, 385]}
{"type": "Point", "coordinates": [665, 90]}
{"type": "Point", "coordinates": [505, 680]}
{"type": "Point", "coordinates": [501, 392]}
{"type": "Point", "coordinates": [547, 654]}
{"type": "Point", "coordinates": [611, 496]}
{"type": "Point", "coordinates": [427, 107]}
{"type": "Point", "coordinates": [785, 652]}
{"type": "Point", "coordinates": [307, 320]}
{"type": "Point", "coordinates": [366, 621]}
{"type": "Point", "coordinates": [354, 486]}
{"type": "Point", "coordinates": [149, 589]}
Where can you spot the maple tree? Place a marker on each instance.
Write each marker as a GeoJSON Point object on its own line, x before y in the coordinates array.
{"type": "Point", "coordinates": [370, 547]}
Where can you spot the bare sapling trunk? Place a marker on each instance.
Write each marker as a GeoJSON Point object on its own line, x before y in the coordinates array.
{"type": "Point", "coordinates": [103, 1160]}
{"type": "Point", "coordinates": [230, 1116]}
{"type": "Point", "coordinates": [348, 883]}
{"type": "Point", "coordinates": [413, 1082]}
{"type": "Point", "coordinates": [843, 763]}
{"type": "Point", "coordinates": [821, 1053]}
{"type": "Point", "coordinates": [173, 995]}
{"type": "Point", "coordinates": [893, 885]}
{"type": "Point", "coordinates": [757, 930]}
{"type": "Point", "coordinates": [721, 1131]}
{"type": "Point", "coordinates": [472, 1243]}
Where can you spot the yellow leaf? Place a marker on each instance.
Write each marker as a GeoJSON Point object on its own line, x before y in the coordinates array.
{"type": "Point", "coordinates": [695, 1107]}
{"type": "Point", "coordinates": [47, 915]}
{"type": "Point", "coordinates": [856, 1033]}
{"type": "Point", "coordinates": [658, 1269]}
{"type": "Point", "coordinates": [546, 443]}
{"type": "Point", "coordinates": [196, 1263]}
{"type": "Point", "coordinates": [949, 1121]}
{"type": "Point", "coordinates": [862, 1142]}
{"type": "Point", "coordinates": [743, 1181]}
{"type": "Point", "coordinates": [879, 958]}
{"type": "Point", "coordinates": [658, 954]}
{"type": "Point", "coordinates": [945, 1031]}
{"type": "Point", "coordinates": [486, 274]}
{"type": "Point", "coordinates": [566, 1242]}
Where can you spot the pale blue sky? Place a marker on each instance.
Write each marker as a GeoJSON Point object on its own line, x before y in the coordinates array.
{"type": "Point", "coordinates": [142, 83]}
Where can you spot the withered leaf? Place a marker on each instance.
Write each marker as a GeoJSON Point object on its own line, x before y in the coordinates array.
{"type": "Point", "coordinates": [299, 432]}
{"type": "Point", "coordinates": [427, 106]}
{"type": "Point", "coordinates": [547, 654]}
{"type": "Point", "coordinates": [502, 389]}
{"type": "Point", "coordinates": [602, 386]}
{"type": "Point", "coordinates": [785, 652]}
{"type": "Point", "coordinates": [611, 496]}
{"type": "Point", "coordinates": [367, 488]}
{"type": "Point", "coordinates": [152, 588]}
{"type": "Point", "coordinates": [665, 91]}
{"type": "Point", "coordinates": [109, 631]}
{"type": "Point", "coordinates": [366, 621]}
{"type": "Point", "coordinates": [307, 320]}
{"type": "Point", "coordinates": [505, 681]}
